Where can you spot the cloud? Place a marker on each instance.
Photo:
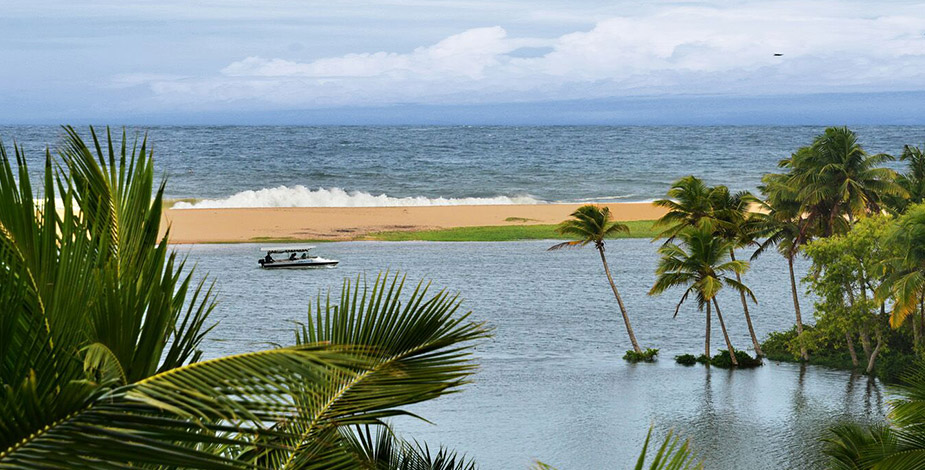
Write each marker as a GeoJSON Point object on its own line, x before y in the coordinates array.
{"type": "Point", "coordinates": [827, 46]}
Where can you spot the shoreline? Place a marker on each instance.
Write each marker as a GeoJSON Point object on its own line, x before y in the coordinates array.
{"type": "Point", "coordinates": [294, 224]}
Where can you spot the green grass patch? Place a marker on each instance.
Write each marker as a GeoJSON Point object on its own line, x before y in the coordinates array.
{"type": "Point", "coordinates": [522, 220]}
{"type": "Point", "coordinates": [502, 233]}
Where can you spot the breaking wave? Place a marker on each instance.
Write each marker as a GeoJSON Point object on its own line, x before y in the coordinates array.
{"type": "Point", "coordinates": [300, 196]}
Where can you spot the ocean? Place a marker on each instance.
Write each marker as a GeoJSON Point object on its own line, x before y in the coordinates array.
{"type": "Point", "coordinates": [239, 166]}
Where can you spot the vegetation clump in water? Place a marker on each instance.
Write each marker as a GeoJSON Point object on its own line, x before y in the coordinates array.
{"type": "Point", "coordinates": [686, 359]}
{"type": "Point", "coordinates": [649, 355]}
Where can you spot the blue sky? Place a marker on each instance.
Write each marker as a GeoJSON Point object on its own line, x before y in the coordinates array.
{"type": "Point", "coordinates": [463, 61]}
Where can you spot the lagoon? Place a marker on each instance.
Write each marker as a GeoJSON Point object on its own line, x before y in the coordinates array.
{"type": "Point", "coordinates": [552, 384]}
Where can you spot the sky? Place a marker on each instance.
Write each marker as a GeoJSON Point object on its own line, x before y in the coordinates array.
{"type": "Point", "coordinates": [463, 62]}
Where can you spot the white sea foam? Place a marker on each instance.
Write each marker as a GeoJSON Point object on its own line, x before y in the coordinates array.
{"type": "Point", "coordinates": [300, 196]}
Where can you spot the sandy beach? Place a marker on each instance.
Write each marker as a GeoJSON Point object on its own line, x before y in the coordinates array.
{"type": "Point", "coordinates": [347, 223]}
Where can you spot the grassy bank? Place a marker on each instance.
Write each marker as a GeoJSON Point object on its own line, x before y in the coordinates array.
{"type": "Point", "coordinates": [638, 229]}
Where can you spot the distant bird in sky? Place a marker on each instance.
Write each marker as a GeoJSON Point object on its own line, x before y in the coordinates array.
{"type": "Point", "coordinates": [777, 54]}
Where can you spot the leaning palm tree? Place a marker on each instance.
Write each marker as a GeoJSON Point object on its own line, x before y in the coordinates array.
{"type": "Point", "coordinates": [101, 327]}
{"type": "Point", "coordinates": [592, 224]}
{"type": "Point", "coordinates": [701, 264]}
{"type": "Point", "coordinates": [736, 223]}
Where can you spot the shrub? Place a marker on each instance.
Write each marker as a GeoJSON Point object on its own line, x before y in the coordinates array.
{"type": "Point", "coordinates": [745, 361]}
{"type": "Point", "coordinates": [646, 356]}
{"type": "Point", "coordinates": [686, 359]}
{"type": "Point", "coordinates": [778, 346]}
{"type": "Point", "coordinates": [703, 359]}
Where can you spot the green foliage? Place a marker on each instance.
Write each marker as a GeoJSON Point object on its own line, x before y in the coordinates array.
{"type": "Point", "coordinates": [722, 360]}
{"type": "Point", "coordinates": [649, 355]}
{"type": "Point", "coordinates": [589, 224]}
{"type": "Point", "coordinates": [501, 233]}
{"type": "Point", "coordinates": [686, 359]}
{"type": "Point", "coordinates": [673, 454]}
{"type": "Point", "coordinates": [780, 345]}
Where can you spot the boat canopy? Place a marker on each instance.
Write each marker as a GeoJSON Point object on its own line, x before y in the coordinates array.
{"type": "Point", "coordinates": [294, 249]}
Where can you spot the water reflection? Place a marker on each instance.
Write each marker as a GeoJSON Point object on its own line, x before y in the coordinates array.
{"type": "Point", "coordinates": [552, 384]}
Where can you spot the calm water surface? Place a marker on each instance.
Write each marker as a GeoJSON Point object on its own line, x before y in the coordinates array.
{"type": "Point", "coordinates": [552, 385]}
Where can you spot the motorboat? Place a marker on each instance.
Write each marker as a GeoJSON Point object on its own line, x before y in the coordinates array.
{"type": "Point", "coordinates": [293, 258]}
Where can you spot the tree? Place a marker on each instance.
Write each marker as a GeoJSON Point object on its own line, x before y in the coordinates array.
{"type": "Point", "coordinates": [905, 284]}
{"type": "Point", "coordinates": [736, 223]}
{"type": "Point", "coordinates": [837, 181]}
{"type": "Point", "coordinates": [782, 223]}
{"type": "Point", "coordinates": [912, 181]}
{"type": "Point", "coordinates": [592, 224]}
{"type": "Point", "coordinates": [689, 201]}
{"type": "Point", "coordinates": [99, 340]}
{"type": "Point", "coordinates": [701, 264]}
{"type": "Point", "coordinates": [846, 271]}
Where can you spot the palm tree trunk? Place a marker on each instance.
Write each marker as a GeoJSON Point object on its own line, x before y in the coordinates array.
{"type": "Point", "coordinates": [748, 318]}
{"type": "Point", "coordinates": [706, 346]}
{"type": "Point", "coordinates": [796, 307]}
{"type": "Point", "coordinates": [626, 318]}
{"type": "Point", "coordinates": [722, 325]}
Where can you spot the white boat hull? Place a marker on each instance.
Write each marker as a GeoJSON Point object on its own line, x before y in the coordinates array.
{"type": "Point", "coordinates": [300, 264]}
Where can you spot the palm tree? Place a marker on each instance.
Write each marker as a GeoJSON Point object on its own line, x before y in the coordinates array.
{"type": "Point", "coordinates": [592, 224]}
{"type": "Point", "coordinates": [905, 283]}
{"type": "Point", "coordinates": [701, 264]}
{"type": "Point", "coordinates": [837, 181]}
{"type": "Point", "coordinates": [912, 181]}
{"type": "Point", "coordinates": [689, 200]}
{"type": "Point", "coordinates": [100, 365]}
{"type": "Point", "coordinates": [784, 225]}
{"type": "Point", "coordinates": [736, 223]}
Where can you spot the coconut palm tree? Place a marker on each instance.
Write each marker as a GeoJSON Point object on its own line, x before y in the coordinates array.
{"type": "Point", "coordinates": [736, 223]}
{"type": "Point", "coordinates": [783, 224]}
{"type": "Point", "coordinates": [837, 181]}
{"type": "Point", "coordinates": [912, 180]}
{"type": "Point", "coordinates": [592, 224]}
{"type": "Point", "coordinates": [905, 284]}
{"type": "Point", "coordinates": [689, 200]}
{"type": "Point", "coordinates": [101, 327]}
{"type": "Point", "coordinates": [702, 265]}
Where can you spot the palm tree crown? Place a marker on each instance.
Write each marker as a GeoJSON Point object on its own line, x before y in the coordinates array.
{"type": "Point", "coordinates": [589, 224]}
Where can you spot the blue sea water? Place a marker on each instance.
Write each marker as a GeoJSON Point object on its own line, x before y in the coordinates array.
{"type": "Point", "coordinates": [532, 164]}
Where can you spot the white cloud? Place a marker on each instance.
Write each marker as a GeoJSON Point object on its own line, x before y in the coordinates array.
{"type": "Point", "coordinates": [828, 46]}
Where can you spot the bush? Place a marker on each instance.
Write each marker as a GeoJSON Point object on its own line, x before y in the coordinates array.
{"type": "Point", "coordinates": [704, 359]}
{"type": "Point", "coordinates": [722, 360]}
{"type": "Point", "coordinates": [893, 367]}
{"type": "Point", "coordinates": [646, 356]}
{"type": "Point", "coordinates": [778, 346]}
{"type": "Point", "coordinates": [686, 359]}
